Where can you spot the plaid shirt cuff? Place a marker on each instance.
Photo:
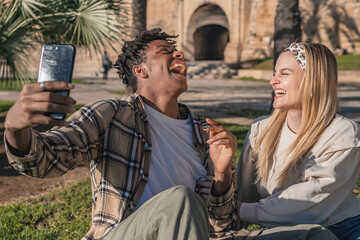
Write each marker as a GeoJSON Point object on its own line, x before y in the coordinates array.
{"type": "Point", "coordinates": [221, 205]}
{"type": "Point", "coordinates": [28, 157]}
{"type": "Point", "coordinates": [24, 164]}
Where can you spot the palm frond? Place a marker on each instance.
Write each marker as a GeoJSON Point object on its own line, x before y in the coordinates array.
{"type": "Point", "coordinates": [92, 24]}
{"type": "Point", "coordinates": [31, 8]}
{"type": "Point", "coordinates": [16, 38]}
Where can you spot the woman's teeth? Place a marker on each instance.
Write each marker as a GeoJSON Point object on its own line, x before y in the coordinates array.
{"type": "Point", "coordinates": [280, 92]}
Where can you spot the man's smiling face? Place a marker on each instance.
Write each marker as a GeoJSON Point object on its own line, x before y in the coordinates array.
{"type": "Point", "coordinates": [165, 67]}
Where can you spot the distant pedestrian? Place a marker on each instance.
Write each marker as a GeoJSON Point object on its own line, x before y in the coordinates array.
{"type": "Point", "coordinates": [106, 65]}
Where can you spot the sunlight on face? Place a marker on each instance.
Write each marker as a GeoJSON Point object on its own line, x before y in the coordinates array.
{"type": "Point", "coordinates": [286, 82]}
{"type": "Point", "coordinates": [166, 68]}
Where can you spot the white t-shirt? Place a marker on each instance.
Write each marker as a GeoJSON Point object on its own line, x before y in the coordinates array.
{"type": "Point", "coordinates": [280, 160]}
{"type": "Point", "coordinates": [174, 160]}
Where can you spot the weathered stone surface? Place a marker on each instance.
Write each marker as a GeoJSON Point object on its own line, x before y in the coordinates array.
{"type": "Point", "coordinates": [250, 24]}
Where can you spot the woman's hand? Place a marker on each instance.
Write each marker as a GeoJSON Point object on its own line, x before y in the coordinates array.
{"type": "Point", "coordinates": [222, 150]}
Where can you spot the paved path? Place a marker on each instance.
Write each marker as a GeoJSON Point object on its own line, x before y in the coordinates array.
{"type": "Point", "coordinates": [223, 99]}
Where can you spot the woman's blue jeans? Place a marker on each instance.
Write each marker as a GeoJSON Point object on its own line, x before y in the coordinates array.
{"type": "Point", "coordinates": [348, 229]}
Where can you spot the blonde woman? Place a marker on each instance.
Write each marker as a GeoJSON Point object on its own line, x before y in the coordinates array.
{"type": "Point", "coordinates": [301, 164]}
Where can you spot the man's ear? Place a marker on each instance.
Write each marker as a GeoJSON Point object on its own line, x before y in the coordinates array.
{"type": "Point", "coordinates": [139, 71]}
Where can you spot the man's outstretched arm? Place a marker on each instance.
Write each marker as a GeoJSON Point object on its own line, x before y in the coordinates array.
{"type": "Point", "coordinates": [54, 152]}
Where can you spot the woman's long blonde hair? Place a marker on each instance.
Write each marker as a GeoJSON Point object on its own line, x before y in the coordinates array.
{"type": "Point", "coordinates": [319, 106]}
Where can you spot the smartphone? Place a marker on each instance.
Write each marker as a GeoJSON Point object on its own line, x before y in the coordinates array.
{"type": "Point", "coordinates": [57, 64]}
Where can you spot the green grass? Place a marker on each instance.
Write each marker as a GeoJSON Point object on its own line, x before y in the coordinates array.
{"type": "Point", "coordinates": [240, 133]}
{"type": "Point", "coordinates": [264, 65]}
{"type": "Point", "coordinates": [345, 63]}
{"type": "Point", "coordinates": [348, 62]}
{"type": "Point", "coordinates": [62, 215]}
{"type": "Point", "coordinates": [251, 113]}
{"type": "Point", "coordinates": [80, 81]}
{"type": "Point", "coordinates": [246, 78]}
{"type": "Point", "coordinates": [77, 81]}
{"type": "Point", "coordinates": [77, 107]}
{"type": "Point", "coordinates": [12, 85]}
{"type": "Point", "coordinates": [357, 190]}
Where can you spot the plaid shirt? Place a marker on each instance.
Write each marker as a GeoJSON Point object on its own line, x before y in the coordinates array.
{"type": "Point", "coordinates": [113, 136]}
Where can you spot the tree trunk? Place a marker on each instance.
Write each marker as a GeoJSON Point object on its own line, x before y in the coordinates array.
{"type": "Point", "coordinates": [287, 25]}
{"type": "Point", "coordinates": [139, 17]}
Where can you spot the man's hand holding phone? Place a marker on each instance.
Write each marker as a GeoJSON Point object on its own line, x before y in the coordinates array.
{"type": "Point", "coordinates": [29, 110]}
{"type": "Point", "coordinates": [44, 102]}
{"type": "Point", "coordinates": [33, 102]}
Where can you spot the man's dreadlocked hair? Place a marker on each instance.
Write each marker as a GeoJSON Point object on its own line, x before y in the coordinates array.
{"type": "Point", "coordinates": [133, 54]}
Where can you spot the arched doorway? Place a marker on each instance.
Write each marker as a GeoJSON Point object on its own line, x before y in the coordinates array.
{"type": "Point", "coordinates": [210, 41]}
{"type": "Point", "coordinates": [208, 33]}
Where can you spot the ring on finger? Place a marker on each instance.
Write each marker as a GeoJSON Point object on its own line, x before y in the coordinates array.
{"type": "Point", "coordinates": [42, 85]}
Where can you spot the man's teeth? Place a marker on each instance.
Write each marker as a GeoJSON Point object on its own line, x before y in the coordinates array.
{"type": "Point", "coordinates": [181, 67]}
{"type": "Point", "coordinates": [280, 92]}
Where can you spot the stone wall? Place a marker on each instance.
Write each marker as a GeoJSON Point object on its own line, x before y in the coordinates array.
{"type": "Point", "coordinates": [333, 23]}
{"type": "Point", "coordinates": [258, 42]}
{"type": "Point", "coordinates": [251, 24]}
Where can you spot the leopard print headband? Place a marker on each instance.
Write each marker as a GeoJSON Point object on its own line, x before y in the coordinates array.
{"type": "Point", "coordinates": [299, 53]}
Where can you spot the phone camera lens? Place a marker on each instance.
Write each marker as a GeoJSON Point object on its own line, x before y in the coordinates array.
{"type": "Point", "coordinates": [48, 47]}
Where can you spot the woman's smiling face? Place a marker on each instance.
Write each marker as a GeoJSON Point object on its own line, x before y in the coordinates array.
{"type": "Point", "coordinates": [286, 82]}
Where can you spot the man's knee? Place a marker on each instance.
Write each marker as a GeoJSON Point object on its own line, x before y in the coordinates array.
{"type": "Point", "coordinates": [184, 195]}
{"type": "Point", "coordinates": [181, 192]}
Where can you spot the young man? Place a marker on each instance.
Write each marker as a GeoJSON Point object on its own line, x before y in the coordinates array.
{"type": "Point", "coordinates": [146, 151]}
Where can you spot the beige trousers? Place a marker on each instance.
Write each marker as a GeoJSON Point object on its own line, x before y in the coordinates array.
{"type": "Point", "coordinates": [177, 213]}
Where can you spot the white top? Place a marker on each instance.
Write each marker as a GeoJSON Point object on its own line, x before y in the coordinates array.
{"type": "Point", "coordinates": [321, 194]}
{"type": "Point", "coordinates": [287, 137]}
{"type": "Point", "coordinates": [174, 160]}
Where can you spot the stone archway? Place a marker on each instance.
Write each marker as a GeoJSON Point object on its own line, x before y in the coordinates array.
{"type": "Point", "coordinates": [210, 42]}
{"type": "Point", "coordinates": [208, 33]}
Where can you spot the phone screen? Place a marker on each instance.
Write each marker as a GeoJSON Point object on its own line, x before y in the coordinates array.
{"type": "Point", "coordinates": [56, 64]}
